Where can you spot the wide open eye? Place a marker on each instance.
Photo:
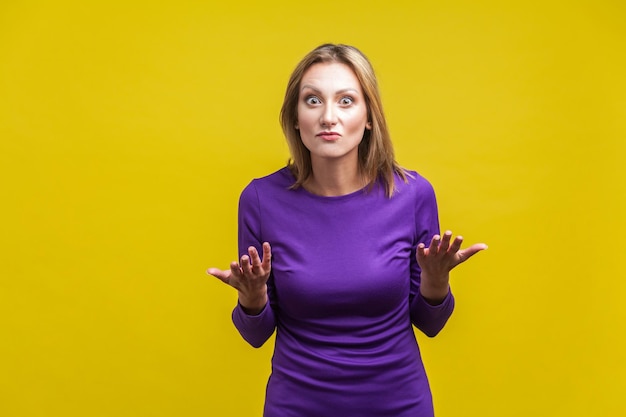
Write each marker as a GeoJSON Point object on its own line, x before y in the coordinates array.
{"type": "Point", "coordinates": [312, 100]}
{"type": "Point", "coordinates": [346, 101]}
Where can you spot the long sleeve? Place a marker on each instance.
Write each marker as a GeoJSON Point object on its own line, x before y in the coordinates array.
{"type": "Point", "coordinates": [430, 319]}
{"type": "Point", "coordinates": [343, 287]}
{"type": "Point", "coordinates": [254, 329]}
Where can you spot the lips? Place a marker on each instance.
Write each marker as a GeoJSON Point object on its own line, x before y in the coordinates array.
{"type": "Point", "coordinates": [328, 135]}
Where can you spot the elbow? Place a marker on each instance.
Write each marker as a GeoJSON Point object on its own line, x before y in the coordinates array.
{"type": "Point", "coordinates": [255, 330]}
{"type": "Point", "coordinates": [256, 343]}
{"type": "Point", "coordinates": [431, 332]}
{"type": "Point", "coordinates": [257, 340]}
{"type": "Point", "coordinates": [429, 329]}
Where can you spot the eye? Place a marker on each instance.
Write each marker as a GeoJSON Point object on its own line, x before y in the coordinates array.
{"type": "Point", "coordinates": [346, 101]}
{"type": "Point", "coordinates": [312, 100]}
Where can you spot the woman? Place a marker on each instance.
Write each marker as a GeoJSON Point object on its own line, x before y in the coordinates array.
{"type": "Point", "coordinates": [355, 259]}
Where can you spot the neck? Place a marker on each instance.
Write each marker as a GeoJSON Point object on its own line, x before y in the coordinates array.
{"type": "Point", "coordinates": [331, 179]}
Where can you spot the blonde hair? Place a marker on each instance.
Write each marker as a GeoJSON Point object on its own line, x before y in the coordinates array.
{"type": "Point", "coordinates": [376, 156]}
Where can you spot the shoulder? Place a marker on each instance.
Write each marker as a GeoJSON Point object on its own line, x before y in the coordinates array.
{"type": "Point", "coordinates": [419, 194]}
{"type": "Point", "coordinates": [282, 177]}
{"type": "Point", "coordinates": [415, 185]}
{"type": "Point", "coordinates": [270, 185]}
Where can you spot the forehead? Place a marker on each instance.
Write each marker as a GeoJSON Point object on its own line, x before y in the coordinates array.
{"type": "Point", "coordinates": [332, 76]}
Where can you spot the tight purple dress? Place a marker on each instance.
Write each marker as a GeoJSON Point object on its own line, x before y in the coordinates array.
{"type": "Point", "coordinates": [343, 296]}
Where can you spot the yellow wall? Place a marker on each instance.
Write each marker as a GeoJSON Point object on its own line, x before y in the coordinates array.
{"type": "Point", "coordinates": [128, 128]}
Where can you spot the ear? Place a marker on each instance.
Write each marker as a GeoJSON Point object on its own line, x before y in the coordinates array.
{"type": "Point", "coordinates": [297, 126]}
{"type": "Point", "coordinates": [368, 125]}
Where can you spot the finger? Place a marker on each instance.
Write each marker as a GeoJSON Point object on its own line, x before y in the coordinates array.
{"type": "Point", "coordinates": [235, 269]}
{"type": "Point", "coordinates": [465, 254]}
{"type": "Point", "coordinates": [223, 276]}
{"type": "Point", "coordinates": [267, 256]}
{"type": "Point", "coordinates": [456, 244]}
{"type": "Point", "coordinates": [434, 245]}
{"type": "Point", "coordinates": [445, 241]}
{"type": "Point", "coordinates": [245, 265]}
{"type": "Point", "coordinates": [255, 259]}
{"type": "Point", "coordinates": [421, 251]}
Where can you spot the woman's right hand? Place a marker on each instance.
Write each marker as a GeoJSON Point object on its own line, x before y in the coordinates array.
{"type": "Point", "coordinates": [249, 278]}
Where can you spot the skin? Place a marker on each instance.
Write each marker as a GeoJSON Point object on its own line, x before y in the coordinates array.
{"type": "Point", "coordinates": [331, 101]}
{"type": "Point", "coordinates": [437, 260]}
{"type": "Point", "coordinates": [249, 278]}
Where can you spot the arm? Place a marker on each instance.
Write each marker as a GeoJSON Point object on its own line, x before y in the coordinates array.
{"type": "Point", "coordinates": [429, 318]}
{"type": "Point", "coordinates": [427, 314]}
{"type": "Point", "coordinates": [436, 261]}
{"type": "Point", "coordinates": [254, 328]}
{"type": "Point", "coordinates": [253, 315]}
{"type": "Point", "coordinates": [433, 302]}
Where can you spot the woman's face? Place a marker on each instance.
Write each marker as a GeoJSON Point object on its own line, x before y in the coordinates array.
{"type": "Point", "coordinates": [332, 112]}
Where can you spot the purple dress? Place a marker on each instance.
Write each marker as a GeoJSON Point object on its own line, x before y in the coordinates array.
{"type": "Point", "coordinates": [344, 293]}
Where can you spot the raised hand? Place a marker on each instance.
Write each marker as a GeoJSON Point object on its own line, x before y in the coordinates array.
{"type": "Point", "coordinates": [437, 260]}
{"type": "Point", "coordinates": [249, 278]}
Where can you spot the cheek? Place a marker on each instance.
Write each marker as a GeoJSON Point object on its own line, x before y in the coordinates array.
{"type": "Point", "coordinates": [358, 122]}
{"type": "Point", "coordinates": [305, 120]}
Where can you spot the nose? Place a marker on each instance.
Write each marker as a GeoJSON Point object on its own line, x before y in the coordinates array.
{"type": "Point", "coordinates": [329, 116]}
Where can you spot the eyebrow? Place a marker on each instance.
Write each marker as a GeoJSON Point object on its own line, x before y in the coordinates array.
{"type": "Point", "coordinates": [343, 90]}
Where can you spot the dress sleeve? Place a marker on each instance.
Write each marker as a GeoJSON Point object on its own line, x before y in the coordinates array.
{"type": "Point", "coordinates": [430, 319]}
{"type": "Point", "coordinates": [255, 329]}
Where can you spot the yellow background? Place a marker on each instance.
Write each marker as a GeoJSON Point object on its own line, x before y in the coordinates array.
{"type": "Point", "coordinates": [128, 129]}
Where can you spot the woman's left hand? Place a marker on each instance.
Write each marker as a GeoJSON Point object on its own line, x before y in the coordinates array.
{"type": "Point", "coordinates": [436, 262]}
